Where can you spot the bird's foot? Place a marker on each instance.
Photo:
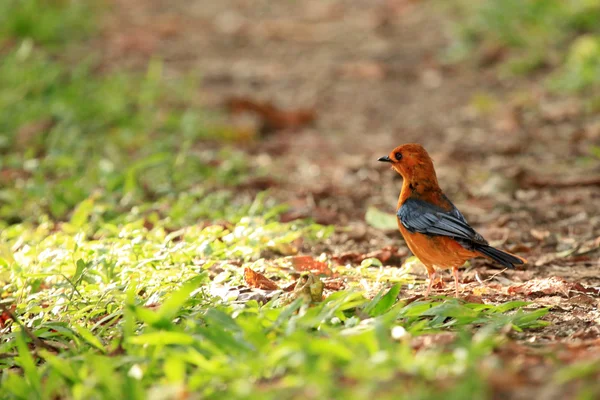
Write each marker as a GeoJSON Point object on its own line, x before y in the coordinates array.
{"type": "Point", "coordinates": [455, 273]}
{"type": "Point", "coordinates": [431, 281]}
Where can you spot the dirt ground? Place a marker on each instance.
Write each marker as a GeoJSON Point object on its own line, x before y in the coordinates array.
{"type": "Point", "coordinates": [512, 157]}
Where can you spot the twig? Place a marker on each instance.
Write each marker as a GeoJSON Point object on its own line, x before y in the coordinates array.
{"type": "Point", "coordinates": [36, 340]}
{"type": "Point", "coordinates": [488, 279]}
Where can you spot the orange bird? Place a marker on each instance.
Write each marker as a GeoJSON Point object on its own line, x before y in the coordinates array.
{"type": "Point", "coordinates": [433, 228]}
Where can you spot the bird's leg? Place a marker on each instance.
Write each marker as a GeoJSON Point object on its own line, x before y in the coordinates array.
{"type": "Point", "coordinates": [431, 280]}
{"type": "Point", "coordinates": [455, 273]}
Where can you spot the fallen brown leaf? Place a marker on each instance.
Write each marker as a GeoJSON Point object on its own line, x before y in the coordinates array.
{"type": "Point", "coordinates": [258, 280]}
{"type": "Point", "coordinates": [259, 183]}
{"type": "Point", "coordinates": [307, 263]}
{"type": "Point", "coordinates": [583, 300]}
{"type": "Point", "coordinates": [290, 287]}
{"type": "Point", "coordinates": [273, 118]}
{"type": "Point", "coordinates": [5, 316]}
{"type": "Point", "coordinates": [438, 283]}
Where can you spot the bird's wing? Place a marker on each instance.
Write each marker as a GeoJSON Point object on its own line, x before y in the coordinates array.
{"type": "Point", "coordinates": [422, 217]}
{"type": "Point", "coordinates": [454, 211]}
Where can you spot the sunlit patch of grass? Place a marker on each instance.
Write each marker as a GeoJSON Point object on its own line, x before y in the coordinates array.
{"type": "Point", "coordinates": [371, 275]}
{"type": "Point", "coordinates": [135, 312]}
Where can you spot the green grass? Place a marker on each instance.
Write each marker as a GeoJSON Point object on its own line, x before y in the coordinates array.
{"type": "Point", "coordinates": [51, 23]}
{"type": "Point", "coordinates": [65, 134]}
{"type": "Point", "coordinates": [560, 36]}
{"type": "Point", "coordinates": [68, 134]}
{"type": "Point", "coordinates": [139, 311]}
{"type": "Point", "coordinates": [131, 309]}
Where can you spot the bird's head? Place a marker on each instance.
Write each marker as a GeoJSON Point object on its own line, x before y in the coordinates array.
{"type": "Point", "coordinates": [412, 162]}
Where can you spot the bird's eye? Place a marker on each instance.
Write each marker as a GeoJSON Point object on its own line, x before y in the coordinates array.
{"type": "Point", "coordinates": [398, 156]}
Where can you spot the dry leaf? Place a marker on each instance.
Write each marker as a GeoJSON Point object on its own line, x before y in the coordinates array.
{"type": "Point", "coordinates": [258, 280]}
{"type": "Point", "coordinates": [290, 287]}
{"type": "Point", "coordinates": [5, 315]}
{"type": "Point", "coordinates": [258, 183]}
{"type": "Point", "coordinates": [583, 300]}
{"type": "Point", "coordinates": [307, 263]}
{"type": "Point", "coordinates": [273, 118]}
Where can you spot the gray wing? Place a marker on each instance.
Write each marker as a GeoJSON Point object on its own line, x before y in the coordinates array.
{"type": "Point", "coordinates": [422, 217]}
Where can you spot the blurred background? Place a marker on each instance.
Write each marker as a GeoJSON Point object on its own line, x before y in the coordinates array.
{"type": "Point", "coordinates": [191, 108]}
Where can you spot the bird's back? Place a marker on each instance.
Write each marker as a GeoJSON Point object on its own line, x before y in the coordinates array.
{"type": "Point", "coordinates": [435, 230]}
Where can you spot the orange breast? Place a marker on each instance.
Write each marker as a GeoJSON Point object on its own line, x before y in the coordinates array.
{"type": "Point", "coordinates": [436, 251]}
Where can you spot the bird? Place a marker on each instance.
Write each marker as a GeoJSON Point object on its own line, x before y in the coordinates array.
{"type": "Point", "coordinates": [435, 231]}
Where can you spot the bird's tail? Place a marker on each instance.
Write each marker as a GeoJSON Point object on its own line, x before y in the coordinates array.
{"type": "Point", "coordinates": [506, 259]}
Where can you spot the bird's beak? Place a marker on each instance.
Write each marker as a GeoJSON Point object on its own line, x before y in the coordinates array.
{"type": "Point", "coordinates": [384, 159]}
